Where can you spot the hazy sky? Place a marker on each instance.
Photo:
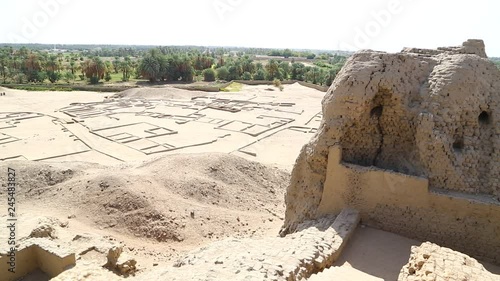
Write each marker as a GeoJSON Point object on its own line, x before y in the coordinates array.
{"type": "Point", "coordinates": [387, 25]}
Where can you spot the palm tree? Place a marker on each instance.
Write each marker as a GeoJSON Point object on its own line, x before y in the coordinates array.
{"type": "Point", "coordinates": [126, 67]}
{"type": "Point", "coordinates": [116, 64]}
{"type": "Point", "coordinates": [16, 63]}
{"type": "Point", "coordinates": [33, 68]}
{"type": "Point", "coordinates": [60, 59]}
{"type": "Point", "coordinates": [150, 68]}
{"type": "Point", "coordinates": [32, 62]}
{"type": "Point", "coordinates": [314, 75]}
{"type": "Point", "coordinates": [4, 59]}
{"type": "Point", "coordinates": [72, 65]}
{"type": "Point", "coordinates": [52, 64]}
{"type": "Point", "coordinates": [94, 69]}
{"type": "Point", "coordinates": [273, 70]}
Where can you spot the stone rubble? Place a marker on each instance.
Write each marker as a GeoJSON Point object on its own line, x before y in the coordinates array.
{"type": "Point", "coordinates": [120, 262]}
{"type": "Point", "coordinates": [315, 246]}
{"type": "Point", "coordinates": [430, 262]}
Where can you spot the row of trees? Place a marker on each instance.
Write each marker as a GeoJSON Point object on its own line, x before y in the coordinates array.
{"type": "Point", "coordinates": [29, 66]}
{"type": "Point", "coordinates": [159, 64]}
{"type": "Point", "coordinates": [244, 68]}
{"type": "Point", "coordinates": [25, 65]}
{"type": "Point", "coordinates": [286, 53]}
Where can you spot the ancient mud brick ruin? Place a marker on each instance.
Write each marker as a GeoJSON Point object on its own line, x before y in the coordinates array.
{"type": "Point", "coordinates": [35, 253]}
{"type": "Point", "coordinates": [433, 263]}
{"type": "Point", "coordinates": [411, 140]}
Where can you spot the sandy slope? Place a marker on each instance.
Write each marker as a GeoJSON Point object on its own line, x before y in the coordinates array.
{"type": "Point", "coordinates": [191, 199]}
{"type": "Point", "coordinates": [164, 200]}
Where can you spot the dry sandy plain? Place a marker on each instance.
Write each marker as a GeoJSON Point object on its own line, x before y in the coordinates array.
{"type": "Point", "coordinates": [144, 123]}
{"type": "Point", "coordinates": [163, 171]}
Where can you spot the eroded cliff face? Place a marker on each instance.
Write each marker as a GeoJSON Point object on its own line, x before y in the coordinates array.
{"type": "Point", "coordinates": [429, 113]}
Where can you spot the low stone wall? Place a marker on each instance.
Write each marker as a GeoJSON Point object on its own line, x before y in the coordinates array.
{"type": "Point", "coordinates": [430, 262]}
{"type": "Point", "coordinates": [35, 254]}
{"type": "Point", "coordinates": [404, 204]}
{"type": "Point", "coordinates": [313, 86]}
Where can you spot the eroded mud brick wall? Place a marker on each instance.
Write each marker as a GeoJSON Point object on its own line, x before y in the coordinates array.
{"type": "Point", "coordinates": [427, 113]}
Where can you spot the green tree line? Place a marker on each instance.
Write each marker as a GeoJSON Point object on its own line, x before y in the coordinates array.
{"type": "Point", "coordinates": [25, 65]}
{"type": "Point", "coordinates": [163, 64]}
{"type": "Point", "coordinates": [34, 66]}
{"type": "Point", "coordinates": [245, 68]}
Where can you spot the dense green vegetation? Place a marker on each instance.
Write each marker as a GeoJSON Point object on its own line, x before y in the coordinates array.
{"type": "Point", "coordinates": [77, 64]}
{"type": "Point", "coordinates": [286, 53]}
{"type": "Point", "coordinates": [23, 65]}
{"type": "Point", "coordinates": [321, 72]}
{"type": "Point", "coordinates": [496, 61]}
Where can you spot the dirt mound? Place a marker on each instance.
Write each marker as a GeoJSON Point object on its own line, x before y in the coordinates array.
{"type": "Point", "coordinates": [34, 178]}
{"type": "Point", "coordinates": [113, 202]}
{"type": "Point", "coordinates": [220, 179]}
{"type": "Point", "coordinates": [173, 198]}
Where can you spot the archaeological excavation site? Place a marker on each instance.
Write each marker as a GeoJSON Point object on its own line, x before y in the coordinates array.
{"type": "Point", "coordinates": [392, 174]}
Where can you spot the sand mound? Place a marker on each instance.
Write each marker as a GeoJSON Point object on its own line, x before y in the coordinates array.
{"type": "Point", "coordinates": [173, 198]}
{"type": "Point", "coordinates": [34, 178]}
{"type": "Point", "coordinates": [113, 202]}
{"type": "Point", "coordinates": [220, 179]}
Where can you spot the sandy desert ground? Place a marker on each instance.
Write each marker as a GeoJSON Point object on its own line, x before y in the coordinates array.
{"type": "Point", "coordinates": [144, 123]}
{"type": "Point", "coordinates": [163, 171]}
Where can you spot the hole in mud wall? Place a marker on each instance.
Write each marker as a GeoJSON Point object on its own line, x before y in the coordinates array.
{"type": "Point", "coordinates": [486, 148]}
{"type": "Point", "coordinates": [458, 145]}
{"type": "Point", "coordinates": [376, 112]}
{"type": "Point", "coordinates": [484, 118]}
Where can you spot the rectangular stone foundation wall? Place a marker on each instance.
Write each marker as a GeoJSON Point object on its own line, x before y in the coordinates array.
{"type": "Point", "coordinates": [404, 204]}
{"type": "Point", "coordinates": [53, 263]}
{"type": "Point", "coordinates": [36, 254]}
{"type": "Point", "coordinates": [26, 262]}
